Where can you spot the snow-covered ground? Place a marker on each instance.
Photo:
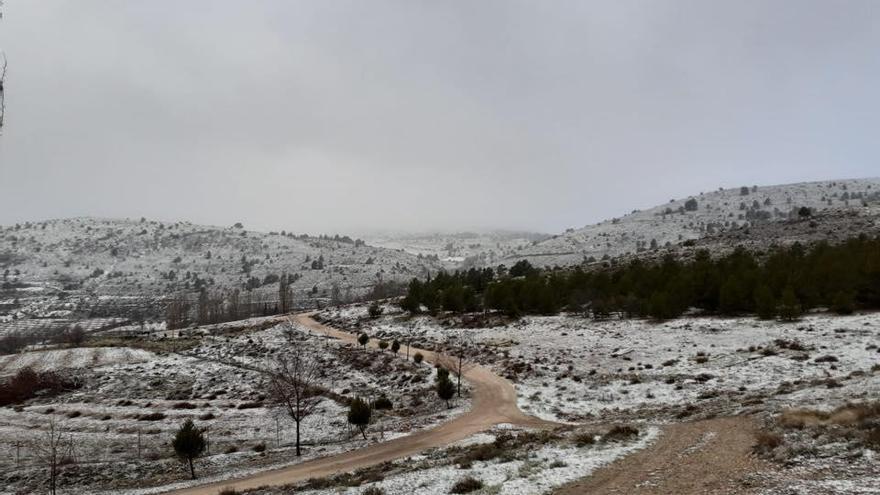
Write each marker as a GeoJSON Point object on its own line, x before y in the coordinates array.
{"type": "Point", "coordinates": [568, 368]}
{"type": "Point", "coordinates": [571, 369]}
{"type": "Point", "coordinates": [533, 471]}
{"type": "Point", "coordinates": [132, 401]}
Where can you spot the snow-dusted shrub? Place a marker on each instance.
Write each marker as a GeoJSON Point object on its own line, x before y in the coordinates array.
{"type": "Point", "coordinates": [466, 485]}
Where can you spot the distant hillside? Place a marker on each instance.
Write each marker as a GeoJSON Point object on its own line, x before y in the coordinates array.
{"type": "Point", "coordinates": [109, 259]}
{"type": "Point", "coordinates": [461, 249]}
{"type": "Point", "coordinates": [696, 217]}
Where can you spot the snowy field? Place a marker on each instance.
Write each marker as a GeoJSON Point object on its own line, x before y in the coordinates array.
{"type": "Point", "coordinates": [132, 401]}
{"type": "Point", "coordinates": [576, 370]}
{"type": "Point", "coordinates": [567, 368]}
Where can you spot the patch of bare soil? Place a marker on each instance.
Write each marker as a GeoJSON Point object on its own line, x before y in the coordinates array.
{"type": "Point", "coordinates": [710, 457]}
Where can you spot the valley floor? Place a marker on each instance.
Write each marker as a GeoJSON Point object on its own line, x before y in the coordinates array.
{"type": "Point", "coordinates": [695, 405]}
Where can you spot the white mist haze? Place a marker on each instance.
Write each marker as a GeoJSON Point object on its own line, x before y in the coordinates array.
{"type": "Point", "coordinates": [354, 116]}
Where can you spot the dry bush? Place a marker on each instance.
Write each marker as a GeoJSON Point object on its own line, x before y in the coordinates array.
{"type": "Point", "coordinates": [766, 441]}
{"type": "Point", "coordinates": [27, 383]}
{"type": "Point", "coordinates": [620, 433]}
{"type": "Point", "coordinates": [466, 485]}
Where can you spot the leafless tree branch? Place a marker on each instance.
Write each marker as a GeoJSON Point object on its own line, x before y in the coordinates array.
{"type": "Point", "coordinates": [53, 448]}
{"type": "Point", "coordinates": [294, 376]}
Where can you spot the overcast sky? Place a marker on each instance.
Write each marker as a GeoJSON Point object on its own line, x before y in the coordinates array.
{"type": "Point", "coordinates": [338, 116]}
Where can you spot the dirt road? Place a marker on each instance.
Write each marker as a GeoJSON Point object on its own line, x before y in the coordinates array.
{"type": "Point", "coordinates": [704, 457]}
{"type": "Point", "coordinates": [493, 402]}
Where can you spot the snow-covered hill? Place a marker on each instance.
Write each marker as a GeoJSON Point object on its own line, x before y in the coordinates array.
{"type": "Point", "coordinates": [461, 249]}
{"type": "Point", "coordinates": [696, 217]}
{"type": "Point", "coordinates": [115, 259]}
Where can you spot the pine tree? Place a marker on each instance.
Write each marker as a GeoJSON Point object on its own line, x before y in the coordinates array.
{"type": "Point", "coordinates": [189, 443]}
{"type": "Point", "coordinates": [789, 306]}
{"type": "Point", "coordinates": [359, 415]}
{"type": "Point", "coordinates": [445, 387]}
{"type": "Point", "coordinates": [765, 304]}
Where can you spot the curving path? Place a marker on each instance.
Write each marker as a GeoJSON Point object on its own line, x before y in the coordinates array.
{"type": "Point", "coordinates": [493, 402]}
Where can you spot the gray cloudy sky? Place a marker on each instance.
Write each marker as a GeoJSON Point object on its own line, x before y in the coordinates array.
{"type": "Point", "coordinates": [326, 116]}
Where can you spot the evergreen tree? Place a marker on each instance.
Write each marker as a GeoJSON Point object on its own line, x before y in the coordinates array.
{"type": "Point", "coordinates": [789, 306]}
{"type": "Point", "coordinates": [359, 415]}
{"type": "Point", "coordinates": [189, 443]}
{"type": "Point", "coordinates": [765, 304]}
{"type": "Point", "coordinates": [445, 388]}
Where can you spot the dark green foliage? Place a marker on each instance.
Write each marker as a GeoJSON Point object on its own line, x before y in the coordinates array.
{"type": "Point", "coordinates": [765, 304]}
{"type": "Point", "coordinates": [789, 305]}
{"type": "Point", "coordinates": [359, 415]}
{"type": "Point", "coordinates": [363, 339]}
{"type": "Point", "coordinates": [395, 346]}
{"type": "Point", "coordinates": [445, 387]}
{"type": "Point", "coordinates": [375, 310]}
{"type": "Point", "coordinates": [383, 344]}
{"type": "Point", "coordinates": [843, 303]}
{"type": "Point", "coordinates": [189, 443]}
{"type": "Point", "coordinates": [784, 282]}
{"type": "Point", "coordinates": [691, 205]}
{"type": "Point", "coordinates": [383, 403]}
{"type": "Point", "coordinates": [418, 358]}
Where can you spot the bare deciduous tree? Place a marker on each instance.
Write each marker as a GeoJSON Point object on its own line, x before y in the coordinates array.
{"type": "Point", "coordinates": [53, 448]}
{"type": "Point", "coordinates": [293, 382]}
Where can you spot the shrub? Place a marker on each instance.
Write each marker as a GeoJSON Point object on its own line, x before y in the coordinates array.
{"type": "Point", "coordinates": [383, 344]}
{"type": "Point", "coordinates": [826, 359]}
{"type": "Point", "coordinates": [260, 447]}
{"type": "Point", "coordinates": [375, 310]}
{"type": "Point", "coordinates": [395, 346]}
{"type": "Point", "coordinates": [229, 491]}
{"type": "Point", "coordinates": [620, 433]}
{"type": "Point", "coordinates": [383, 403]}
{"type": "Point", "coordinates": [363, 339]}
{"type": "Point", "coordinates": [766, 441]}
{"type": "Point", "coordinates": [373, 490]}
{"type": "Point", "coordinates": [466, 485]}
{"type": "Point", "coordinates": [154, 416]}
{"type": "Point", "coordinates": [585, 439]}
{"type": "Point", "coordinates": [418, 358]}
{"type": "Point", "coordinates": [27, 383]}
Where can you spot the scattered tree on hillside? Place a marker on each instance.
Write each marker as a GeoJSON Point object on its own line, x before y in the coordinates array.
{"type": "Point", "coordinates": [293, 383]}
{"type": "Point", "coordinates": [445, 387]}
{"type": "Point", "coordinates": [284, 294]}
{"type": "Point", "coordinates": [363, 339]}
{"type": "Point", "coordinates": [691, 205]}
{"type": "Point", "coordinates": [789, 306]}
{"type": "Point", "coordinates": [53, 448]}
{"type": "Point", "coordinates": [189, 443]}
{"type": "Point", "coordinates": [359, 415]}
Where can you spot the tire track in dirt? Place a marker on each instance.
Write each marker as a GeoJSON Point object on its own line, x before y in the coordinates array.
{"type": "Point", "coordinates": [710, 457]}
{"type": "Point", "coordinates": [493, 402]}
